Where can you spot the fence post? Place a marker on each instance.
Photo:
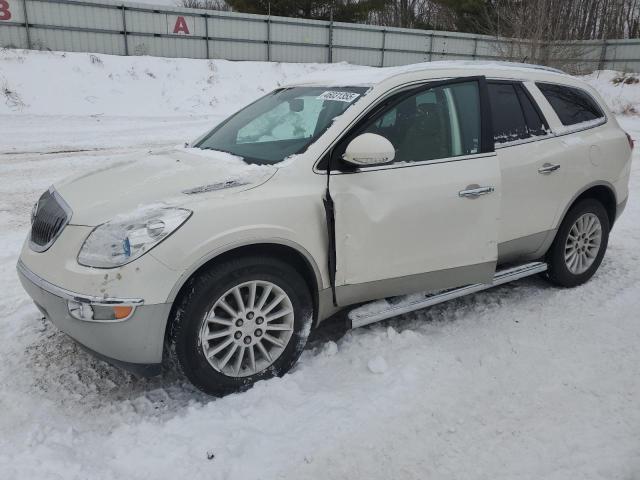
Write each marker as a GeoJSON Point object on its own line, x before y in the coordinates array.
{"type": "Point", "coordinates": [603, 55]}
{"type": "Point", "coordinates": [206, 34]}
{"type": "Point", "coordinates": [269, 36]}
{"type": "Point", "coordinates": [26, 24]}
{"type": "Point", "coordinates": [124, 30]}
{"type": "Point", "coordinates": [384, 43]}
{"type": "Point", "coordinates": [475, 47]}
{"type": "Point", "coordinates": [331, 36]}
{"type": "Point", "coordinates": [430, 52]}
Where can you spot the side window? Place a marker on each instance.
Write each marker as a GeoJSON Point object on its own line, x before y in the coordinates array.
{"type": "Point", "coordinates": [572, 105]}
{"type": "Point", "coordinates": [513, 113]}
{"type": "Point", "coordinates": [536, 122]}
{"type": "Point", "coordinates": [439, 122]}
{"type": "Point", "coordinates": [507, 116]}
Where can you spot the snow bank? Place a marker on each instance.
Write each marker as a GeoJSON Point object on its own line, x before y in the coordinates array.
{"type": "Point", "coordinates": [64, 83]}
{"type": "Point", "coordinates": [621, 97]}
{"type": "Point", "coordinates": [105, 101]}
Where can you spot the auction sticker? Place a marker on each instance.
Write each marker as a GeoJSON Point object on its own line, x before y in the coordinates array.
{"type": "Point", "coordinates": [338, 96]}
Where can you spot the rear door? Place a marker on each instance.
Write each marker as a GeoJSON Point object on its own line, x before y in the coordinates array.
{"type": "Point", "coordinates": [430, 219]}
{"type": "Point", "coordinates": [533, 169]}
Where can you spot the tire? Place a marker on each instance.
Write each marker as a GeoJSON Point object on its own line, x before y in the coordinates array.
{"type": "Point", "coordinates": [200, 314]}
{"type": "Point", "coordinates": [574, 261]}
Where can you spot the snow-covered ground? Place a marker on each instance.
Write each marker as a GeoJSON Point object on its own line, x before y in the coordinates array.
{"type": "Point", "coordinates": [525, 381]}
{"type": "Point", "coordinates": [53, 101]}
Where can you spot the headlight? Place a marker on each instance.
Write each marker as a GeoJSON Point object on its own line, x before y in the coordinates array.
{"type": "Point", "coordinates": [127, 237]}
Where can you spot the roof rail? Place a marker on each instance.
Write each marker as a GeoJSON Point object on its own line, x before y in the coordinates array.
{"type": "Point", "coordinates": [532, 66]}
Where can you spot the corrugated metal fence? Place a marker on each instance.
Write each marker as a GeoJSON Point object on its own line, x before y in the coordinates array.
{"type": "Point", "coordinates": [140, 29]}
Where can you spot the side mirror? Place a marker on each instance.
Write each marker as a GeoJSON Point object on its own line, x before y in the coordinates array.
{"type": "Point", "coordinates": [369, 149]}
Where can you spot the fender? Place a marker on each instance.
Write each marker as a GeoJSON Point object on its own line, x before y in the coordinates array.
{"type": "Point", "coordinates": [551, 234]}
{"type": "Point", "coordinates": [186, 275]}
{"type": "Point", "coordinates": [597, 183]}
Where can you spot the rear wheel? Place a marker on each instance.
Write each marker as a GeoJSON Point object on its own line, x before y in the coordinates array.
{"type": "Point", "coordinates": [580, 244]}
{"type": "Point", "coordinates": [242, 321]}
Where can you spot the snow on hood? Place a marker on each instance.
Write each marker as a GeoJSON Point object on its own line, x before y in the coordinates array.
{"type": "Point", "coordinates": [168, 177]}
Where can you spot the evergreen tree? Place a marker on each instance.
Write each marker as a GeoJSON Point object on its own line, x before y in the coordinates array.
{"type": "Point", "coordinates": [343, 10]}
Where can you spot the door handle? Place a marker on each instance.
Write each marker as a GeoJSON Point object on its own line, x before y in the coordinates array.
{"type": "Point", "coordinates": [548, 168]}
{"type": "Point", "coordinates": [474, 191]}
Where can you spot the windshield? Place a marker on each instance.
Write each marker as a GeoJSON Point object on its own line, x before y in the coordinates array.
{"type": "Point", "coordinates": [283, 123]}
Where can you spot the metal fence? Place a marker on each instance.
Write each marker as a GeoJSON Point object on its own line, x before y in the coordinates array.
{"type": "Point", "coordinates": [141, 29]}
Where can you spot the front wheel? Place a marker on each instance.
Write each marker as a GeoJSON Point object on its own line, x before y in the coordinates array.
{"type": "Point", "coordinates": [580, 244]}
{"type": "Point", "coordinates": [241, 321]}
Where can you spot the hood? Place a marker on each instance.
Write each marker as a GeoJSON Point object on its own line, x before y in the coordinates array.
{"type": "Point", "coordinates": [173, 177]}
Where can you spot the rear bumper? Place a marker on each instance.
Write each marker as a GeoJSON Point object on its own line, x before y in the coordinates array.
{"type": "Point", "coordinates": [134, 344]}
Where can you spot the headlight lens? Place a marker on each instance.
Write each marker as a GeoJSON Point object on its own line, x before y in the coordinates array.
{"type": "Point", "coordinates": [127, 237]}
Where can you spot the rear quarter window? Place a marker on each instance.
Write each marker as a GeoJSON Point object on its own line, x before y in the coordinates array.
{"type": "Point", "coordinates": [572, 105]}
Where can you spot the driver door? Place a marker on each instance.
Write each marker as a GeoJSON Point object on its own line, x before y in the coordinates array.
{"type": "Point", "coordinates": [429, 220]}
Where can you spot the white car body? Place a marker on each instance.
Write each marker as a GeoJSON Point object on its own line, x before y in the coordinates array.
{"type": "Point", "coordinates": [399, 228]}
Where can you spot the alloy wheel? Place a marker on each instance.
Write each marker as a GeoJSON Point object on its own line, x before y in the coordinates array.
{"type": "Point", "coordinates": [247, 328]}
{"type": "Point", "coordinates": [583, 243]}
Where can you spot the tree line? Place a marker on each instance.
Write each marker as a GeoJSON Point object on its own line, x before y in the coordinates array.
{"type": "Point", "coordinates": [541, 20]}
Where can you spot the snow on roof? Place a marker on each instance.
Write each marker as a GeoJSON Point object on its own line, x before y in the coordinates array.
{"type": "Point", "coordinates": [368, 76]}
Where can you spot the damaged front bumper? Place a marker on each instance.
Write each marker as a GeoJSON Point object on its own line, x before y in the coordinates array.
{"type": "Point", "coordinates": [134, 342]}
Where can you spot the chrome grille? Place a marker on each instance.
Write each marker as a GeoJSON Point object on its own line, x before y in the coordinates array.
{"type": "Point", "coordinates": [51, 214]}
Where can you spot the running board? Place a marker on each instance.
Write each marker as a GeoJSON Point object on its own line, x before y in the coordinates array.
{"type": "Point", "coordinates": [365, 314]}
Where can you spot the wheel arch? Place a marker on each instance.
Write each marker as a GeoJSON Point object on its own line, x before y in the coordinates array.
{"type": "Point", "coordinates": [604, 192]}
{"type": "Point", "coordinates": [293, 254]}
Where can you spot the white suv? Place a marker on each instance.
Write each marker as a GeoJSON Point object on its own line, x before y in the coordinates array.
{"type": "Point", "coordinates": [445, 177]}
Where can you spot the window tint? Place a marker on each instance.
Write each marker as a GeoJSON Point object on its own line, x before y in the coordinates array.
{"type": "Point", "coordinates": [508, 119]}
{"type": "Point", "coordinates": [572, 105]}
{"type": "Point", "coordinates": [536, 123]}
{"type": "Point", "coordinates": [436, 123]}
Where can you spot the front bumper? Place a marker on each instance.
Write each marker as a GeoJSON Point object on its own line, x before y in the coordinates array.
{"type": "Point", "coordinates": [134, 344]}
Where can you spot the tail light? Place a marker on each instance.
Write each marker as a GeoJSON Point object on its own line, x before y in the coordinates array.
{"type": "Point", "coordinates": [630, 140]}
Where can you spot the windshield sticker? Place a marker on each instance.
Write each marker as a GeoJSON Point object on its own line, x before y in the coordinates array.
{"type": "Point", "coordinates": [347, 97]}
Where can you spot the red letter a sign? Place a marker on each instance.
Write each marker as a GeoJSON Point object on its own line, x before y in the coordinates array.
{"type": "Point", "coordinates": [181, 26]}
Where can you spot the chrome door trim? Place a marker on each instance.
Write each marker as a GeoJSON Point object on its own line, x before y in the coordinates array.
{"type": "Point", "coordinates": [394, 166]}
{"type": "Point", "coordinates": [548, 168]}
{"type": "Point", "coordinates": [474, 191]}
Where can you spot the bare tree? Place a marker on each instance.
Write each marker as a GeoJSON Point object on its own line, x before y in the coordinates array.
{"type": "Point", "coordinates": [205, 4]}
{"type": "Point", "coordinates": [425, 14]}
{"type": "Point", "coordinates": [545, 31]}
{"type": "Point", "coordinates": [563, 19]}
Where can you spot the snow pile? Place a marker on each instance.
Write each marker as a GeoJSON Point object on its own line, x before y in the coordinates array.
{"type": "Point", "coordinates": [105, 101]}
{"type": "Point", "coordinates": [620, 91]}
{"type": "Point", "coordinates": [63, 83]}
{"type": "Point", "coordinates": [66, 83]}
